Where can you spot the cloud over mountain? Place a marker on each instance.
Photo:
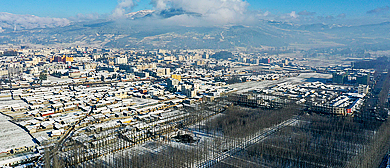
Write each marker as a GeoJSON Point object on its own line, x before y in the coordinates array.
{"type": "Point", "coordinates": [123, 7]}
{"type": "Point", "coordinates": [14, 21]}
{"type": "Point", "coordinates": [177, 13]}
{"type": "Point", "coordinates": [214, 11]}
{"type": "Point", "coordinates": [85, 17]}
{"type": "Point", "coordinates": [293, 14]}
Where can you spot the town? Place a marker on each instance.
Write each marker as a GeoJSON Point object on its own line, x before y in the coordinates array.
{"type": "Point", "coordinates": [103, 101]}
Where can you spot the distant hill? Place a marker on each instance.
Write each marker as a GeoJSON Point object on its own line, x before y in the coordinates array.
{"type": "Point", "coordinates": [148, 29]}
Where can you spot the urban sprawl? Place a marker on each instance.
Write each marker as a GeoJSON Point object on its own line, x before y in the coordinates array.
{"type": "Point", "coordinates": [54, 99]}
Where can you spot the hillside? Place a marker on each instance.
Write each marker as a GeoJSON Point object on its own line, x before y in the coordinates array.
{"type": "Point", "coordinates": [151, 29]}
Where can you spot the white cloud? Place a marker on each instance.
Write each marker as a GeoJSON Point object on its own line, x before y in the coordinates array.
{"type": "Point", "coordinates": [123, 7]}
{"type": "Point", "coordinates": [293, 14]}
{"type": "Point", "coordinates": [158, 4]}
{"type": "Point", "coordinates": [30, 21]}
{"type": "Point", "coordinates": [266, 13]}
{"type": "Point", "coordinates": [216, 11]}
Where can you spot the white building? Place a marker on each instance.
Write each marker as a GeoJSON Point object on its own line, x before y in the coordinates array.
{"type": "Point", "coordinates": [121, 60]}
{"type": "Point", "coordinates": [363, 89]}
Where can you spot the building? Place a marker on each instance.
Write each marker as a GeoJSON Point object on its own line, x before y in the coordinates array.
{"type": "Point", "coordinates": [175, 76]}
{"type": "Point", "coordinates": [285, 62]}
{"type": "Point", "coordinates": [340, 77]}
{"type": "Point", "coordinates": [342, 105]}
{"type": "Point", "coordinates": [89, 65]}
{"type": "Point", "coordinates": [265, 60]}
{"type": "Point", "coordinates": [163, 71]}
{"type": "Point", "coordinates": [142, 74]}
{"type": "Point", "coordinates": [63, 59]}
{"type": "Point", "coordinates": [75, 74]}
{"type": "Point", "coordinates": [255, 61]}
{"type": "Point", "coordinates": [200, 62]}
{"type": "Point", "coordinates": [190, 93]}
{"type": "Point", "coordinates": [10, 53]}
{"type": "Point", "coordinates": [3, 72]}
{"type": "Point", "coordinates": [169, 58]}
{"type": "Point", "coordinates": [328, 109]}
{"type": "Point", "coordinates": [205, 56]}
{"type": "Point", "coordinates": [172, 83]}
{"type": "Point", "coordinates": [363, 89]}
{"type": "Point", "coordinates": [121, 60]}
{"type": "Point", "coordinates": [33, 70]}
{"type": "Point", "coordinates": [161, 51]}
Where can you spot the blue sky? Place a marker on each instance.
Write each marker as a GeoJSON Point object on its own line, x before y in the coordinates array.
{"type": "Point", "coordinates": [68, 8]}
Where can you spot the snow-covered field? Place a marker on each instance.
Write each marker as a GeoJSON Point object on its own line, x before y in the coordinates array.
{"type": "Point", "coordinates": [12, 136]}
{"type": "Point", "coordinates": [245, 87]}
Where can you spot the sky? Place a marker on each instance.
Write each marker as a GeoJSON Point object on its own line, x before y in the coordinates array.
{"type": "Point", "coordinates": [69, 8]}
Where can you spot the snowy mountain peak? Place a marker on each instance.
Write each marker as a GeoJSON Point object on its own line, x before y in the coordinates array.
{"type": "Point", "coordinates": [139, 14]}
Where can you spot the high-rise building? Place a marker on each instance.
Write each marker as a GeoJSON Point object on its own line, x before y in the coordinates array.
{"type": "Point", "coordinates": [340, 77]}
{"type": "Point", "coordinates": [205, 56]}
{"type": "Point", "coordinates": [265, 60]}
{"type": "Point", "coordinates": [121, 60]}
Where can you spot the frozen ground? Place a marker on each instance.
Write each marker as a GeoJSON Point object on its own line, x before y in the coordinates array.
{"type": "Point", "coordinates": [9, 101]}
{"type": "Point", "coordinates": [245, 87]}
{"type": "Point", "coordinates": [12, 136]}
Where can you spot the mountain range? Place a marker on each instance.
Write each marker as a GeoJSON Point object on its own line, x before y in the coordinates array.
{"type": "Point", "coordinates": [150, 29]}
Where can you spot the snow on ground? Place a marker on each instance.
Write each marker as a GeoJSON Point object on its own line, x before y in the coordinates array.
{"type": "Point", "coordinates": [245, 87]}
{"type": "Point", "coordinates": [139, 101]}
{"type": "Point", "coordinates": [9, 101]}
{"type": "Point", "coordinates": [12, 136]}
